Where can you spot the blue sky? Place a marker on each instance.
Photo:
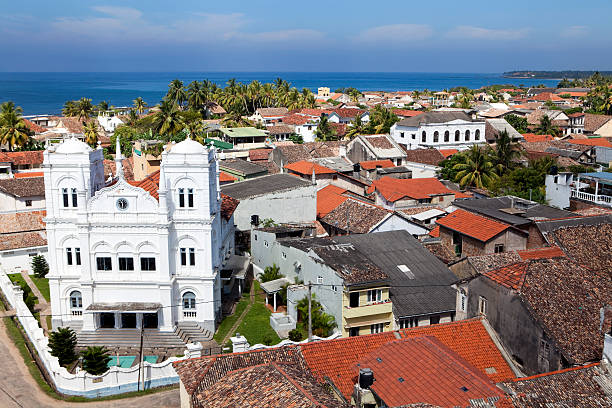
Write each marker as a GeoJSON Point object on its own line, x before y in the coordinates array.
{"type": "Point", "coordinates": [266, 35]}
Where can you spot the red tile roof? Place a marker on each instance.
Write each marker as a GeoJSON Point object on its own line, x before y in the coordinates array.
{"type": "Point", "coordinates": [448, 152]}
{"type": "Point", "coordinates": [510, 276]}
{"type": "Point", "coordinates": [336, 359]}
{"type": "Point", "coordinates": [228, 206]}
{"type": "Point", "coordinates": [396, 189]}
{"type": "Point", "coordinates": [372, 164]}
{"type": "Point", "coordinates": [28, 174]}
{"type": "Point", "coordinates": [541, 253]}
{"type": "Point", "coordinates": [297, 119]}
{"type": "Point", "coordinates": [306, 168]}
{"type": "Point", "coordinates": [348, 113]}
{"type": "Point", "coordinates": [22, 158]}
{"type": "Point", "coordinates": [424, 370]}
{"type": "Point", "coordinates": [472, 225]}
{"type": "Point", "coordinates": [34, 127]}
{"type": "Point", "coordinates": [259, 154]}
{"type": "Point", "coordinates": [532, 137]}
{"type": "Point", "coordinates": [435, 232]}
{"type": "Point", "coordinates": [600, 141]}
{"type": "Point", "coordinates": [406, 113]}
{"type": "Point", "coordinates": [225, 177]}
{"type": "Point", "coordinates": [328, 198]}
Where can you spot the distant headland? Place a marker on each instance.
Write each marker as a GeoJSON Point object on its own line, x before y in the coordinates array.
{"type": "Point", "coordinates": [553, 74]}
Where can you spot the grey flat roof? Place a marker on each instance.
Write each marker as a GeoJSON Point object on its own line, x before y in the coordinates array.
{"type": "Point", "coordinates": [492, 207]}
{"type": "Point", "coordinates": [263, 185]}
{"type": "Point", "coordinates": [242, 166]}
{"type": "Point", "coordinates": [124, 307]}
{"type": "Point", "coordinates": [425, 288]}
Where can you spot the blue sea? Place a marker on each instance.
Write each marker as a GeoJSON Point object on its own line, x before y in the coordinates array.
{"type": "Point", "coordinates": [45, 93]}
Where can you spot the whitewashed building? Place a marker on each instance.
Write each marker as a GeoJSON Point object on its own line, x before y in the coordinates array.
{"type": "Point", "coordinates": [440, 130]}
{"type": "Point", "coordinates": [124, 256]}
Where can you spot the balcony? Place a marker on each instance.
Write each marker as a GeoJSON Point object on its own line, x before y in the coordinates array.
{"type": "Point", "coordinates": [368, 309]}
{"type": "Point", "coordinates": [593, 198]}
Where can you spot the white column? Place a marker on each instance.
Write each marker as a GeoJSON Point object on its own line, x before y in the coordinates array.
{"type": "Point", "coordinates": [274, 301]}
{"type": "Point", "coordinates": [596, 188]}
{"type": "Point", "coordinates": [117, 320]}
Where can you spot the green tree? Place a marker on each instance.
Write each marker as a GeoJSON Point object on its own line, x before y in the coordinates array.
{"type": "Point", "coordinates": [505, 152]}
{"type": "Point", "coordinates": [356, 128]}
{"type": "Point", "coordinates": [90, 130]}
{"type": "Point", "coordinates": [70, 109]}
{"type": "Point", "coordinates": [478, 170]}
{"type": "Point", "coordinates": [40, 267]}
{"type": "Point", "coordinates": [268, 222]}
{"type": "Point", "coordinates": [84, 109]}
{"type": "Point", "coordinates": [126, 135]}
{"type": "Point", "coordinates": [519, 123]}
{"type": "Point", "coordinates": [168, 120]}
{"type": "Point", "coordinates": [62, 343]}
{"type": "Point", "coordinates": [13, 130]}
{"type": "Point", "coordinates": [95, 360]}
{"type": "Point", "coordinates": [140, 105]}
{"type": "Point", "coordinates": [324, 131]}
{"type": "Point", "coordinates": [102, 106]}
{"type": "Point", "coordinates": [295, 335]}
{"type": "Point", "coordinates": [322, 323]}
{"type": "Point", "coordinates": [546, 127]}
{"type": "Point", "coordinates": [381, 120]}
{"type": "Point", "coordinates": [176, 93]}
{"type": "Point", "coordinates": [448, 171]}
{"type": "Point", "coordinates": [270, 273]}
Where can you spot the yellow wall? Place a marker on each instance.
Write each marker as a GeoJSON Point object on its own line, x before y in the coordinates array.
{"type": "Point", "coordinates": [366, 314]}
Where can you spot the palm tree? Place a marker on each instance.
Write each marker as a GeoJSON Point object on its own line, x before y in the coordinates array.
{"type": "Point", "coordinates": [324, 130]}
{"type": "Point", "coordinates": [90, 130]}
{"type": "Point", "coordinates": [84, 109]}
{"type": "Point", "coordinates": [196, 96]}
{"type": "Point", "coordinates": [356, 127]}
{"type": "Point", "coordinates": [102, 106]}
{"type": "Point", "coordinates": [546, 127]}
{"type": "Point", "coordinates": [168, 119]}
{"type": "Point", "coordinates": [381, 120]}
{"type": "Point", "coordinates": [13, 129]}
{"type": "Point", "coordinates": [505, 151]}
{"type": "Point", "coordinates": [8, 107]}
{"type": "Point", "coordinates": [140, 105]}
{"type": "Point", "coordinates": [477, 170]}
{"type": "Point", "coordinates": [176, 93]}
{"type": "Point", "coordinates": [69, 109]}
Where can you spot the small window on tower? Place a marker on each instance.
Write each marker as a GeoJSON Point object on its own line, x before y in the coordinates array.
{"type": "Point", "coordinates": [190, 197]}
{"type": "Point", "coordinates": [74, 197]}
{"type": "Point", "coordinates": [65, 197]}
{"type": "Point", "coordinates": [181, 194]}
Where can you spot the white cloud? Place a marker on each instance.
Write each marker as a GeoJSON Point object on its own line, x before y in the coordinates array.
{"type": "Point", "coordinates": [481, 33]}
{"type": "Point", "coordinates": [124, 24]}
{"type": "Point", "coordinates": [395, 34]}
{"type": "Point", "coordinates": [576, 31]}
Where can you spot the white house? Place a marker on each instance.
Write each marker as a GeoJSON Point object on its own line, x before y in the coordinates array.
{"type": "Point", "coordinates": [123, 256]}
{"type": "Point", "coordinates": [440, 130]}
{"type": "Point", "coordinates": [22, 194]}
{"type": "Point", "coordinates": [109, 121]}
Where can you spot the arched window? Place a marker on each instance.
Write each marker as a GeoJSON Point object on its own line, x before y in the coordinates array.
{"type": "Point", "coordinates": [446, 136]}
{"type": "Point", "coordinates": [436, 136]}
{"type": "Point", "coordinates": [457, 135]}
{"type": "Point", "coordinates": [189, 301]}
{"type": "Point", "coordinates": [477, 134]}
{"type": "Point", "coordinates": [467, 135]}
{"type": "Point", "coordinates": [424, 137]}
{"type": "Point", "coordinates": [76, 303]}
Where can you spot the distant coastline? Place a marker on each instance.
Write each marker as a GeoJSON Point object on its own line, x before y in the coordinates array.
{"type": "Point", "coordinates": [552, 75]}
{"type": "Point", "coordinates": [46, 93]}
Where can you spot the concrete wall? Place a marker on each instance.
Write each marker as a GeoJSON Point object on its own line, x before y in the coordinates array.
{"type": "Point", "coordinates": [558, 190]}
{"type": "Point", "coordinates": [20, 259]}
{"type": "Point", "coordinates": [397, 223]}
{"type": "Point", "coordinates": [517, 329]}
{"type": "Point", "coordinates": [430, 129]}
{"type": "Point", "coordinates": [115, 381]}
{"type": "Point", "coordinates": [420, 170]}
{"type": "Point", "coordinates": [9, 203]}
{"type": "Point", "coordinates": [470, 246]}
{"type": "Point", "coordinates": [294, 206]}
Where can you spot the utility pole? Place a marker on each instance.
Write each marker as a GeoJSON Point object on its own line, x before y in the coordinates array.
{"type": "Point", "coordinates": [140, 367]}
{"type": "Point", "coordinates": [309, 311]}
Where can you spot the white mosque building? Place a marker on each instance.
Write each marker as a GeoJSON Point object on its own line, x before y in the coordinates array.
{"type": "Point", "coordinates": [126, 255]}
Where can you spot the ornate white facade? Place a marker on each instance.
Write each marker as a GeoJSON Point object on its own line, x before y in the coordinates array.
{"type": "Point", "coordinates": [123, 256]}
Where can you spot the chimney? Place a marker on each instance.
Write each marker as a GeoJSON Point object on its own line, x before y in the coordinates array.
{"type": "Point", "coordinates": [356, 170]}
{"type": "Point", "coordinates": [366, 378]}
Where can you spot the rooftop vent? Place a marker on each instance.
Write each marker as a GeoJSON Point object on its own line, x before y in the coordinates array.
{"type": "Point", "coordinates": [400, 380]}
{"type": "Point", "coordinates": [379, 359]}
{"type": "Point", "coordinates": [464, 388]}
{"type": "Point", "coordinates": [366, 378]}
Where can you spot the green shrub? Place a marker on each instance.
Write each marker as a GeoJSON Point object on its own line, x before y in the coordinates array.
{"type": "Point", "coordinates": [40, 267]}
{"type": "Point", "coordinates": [62, 343]}
{"type": "Point", "coordinates": [95, 360]}
{"type": "Point", "coordinates": [295, 335]}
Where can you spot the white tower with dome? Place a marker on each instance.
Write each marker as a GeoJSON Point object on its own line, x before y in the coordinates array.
{"type": "Point", "coordinates": [126, 255]}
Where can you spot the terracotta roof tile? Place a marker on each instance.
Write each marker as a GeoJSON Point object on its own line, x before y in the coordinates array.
{"type": "Point", "coordinates": [34, 127]}
{"type": "Point", "coordinates": [600, 141]}
{"type": "Point", "coordinates": [395, 189]}
{"type": "Point", "coordinates": [423, 370]}
{"type": "Point", "coordinates": [23, 187]}
{"type": "Point", "coordinates": [306, 168]}
{"type": "Point", "coordinates": [532, 137]}
{"type": "Point", "coordinates": [336, 359]}
{"type": "Point", "coordinates": [329, 198]}
{"type": "Point", "coordinates": [426, 156]}
{"type": "Point", "coordinates": [541, 253]}
{"type": "Point", "coordinates": [259, 154]}
{"type": "Point", "coordinates": [22, 221]}
{"type": "Point", "coordinates": [406, 113]}
{"type": "Point", "coordinates": [372, 164]}
{"type": "Point", "coordinates": [228, 206]}
{"type": "Point", "coordinates": [32, 158]}
{"type": "Point", "coordinates": [511, 276]}
{"type": "Point", "coordinates": [225, 177]}
{"type": "Point", "coordinates": [360, 216]}
{"type": "Point", "coordinates": [435, 232]}
{"type": "Point", "coordinates": [28, 174]}
{"type": "Point", "coordinates": [472, 225]}
{"type": "Point", "coordinates": [448, 152]}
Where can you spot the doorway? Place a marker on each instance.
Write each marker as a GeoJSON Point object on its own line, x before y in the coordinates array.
{"type": "Point", "coordinates": [107, 320]}
{"type": "Point", "coordinates": [150, 320]}
{"type": "Point", "coordinates": [128, 320]}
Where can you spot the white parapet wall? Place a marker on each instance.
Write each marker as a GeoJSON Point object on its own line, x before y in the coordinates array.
{"type": "Point", "coordinates": [116, 380]}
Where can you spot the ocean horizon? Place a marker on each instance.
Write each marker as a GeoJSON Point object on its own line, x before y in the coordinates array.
{"type": "Point", "coordinates": [46, 92]}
